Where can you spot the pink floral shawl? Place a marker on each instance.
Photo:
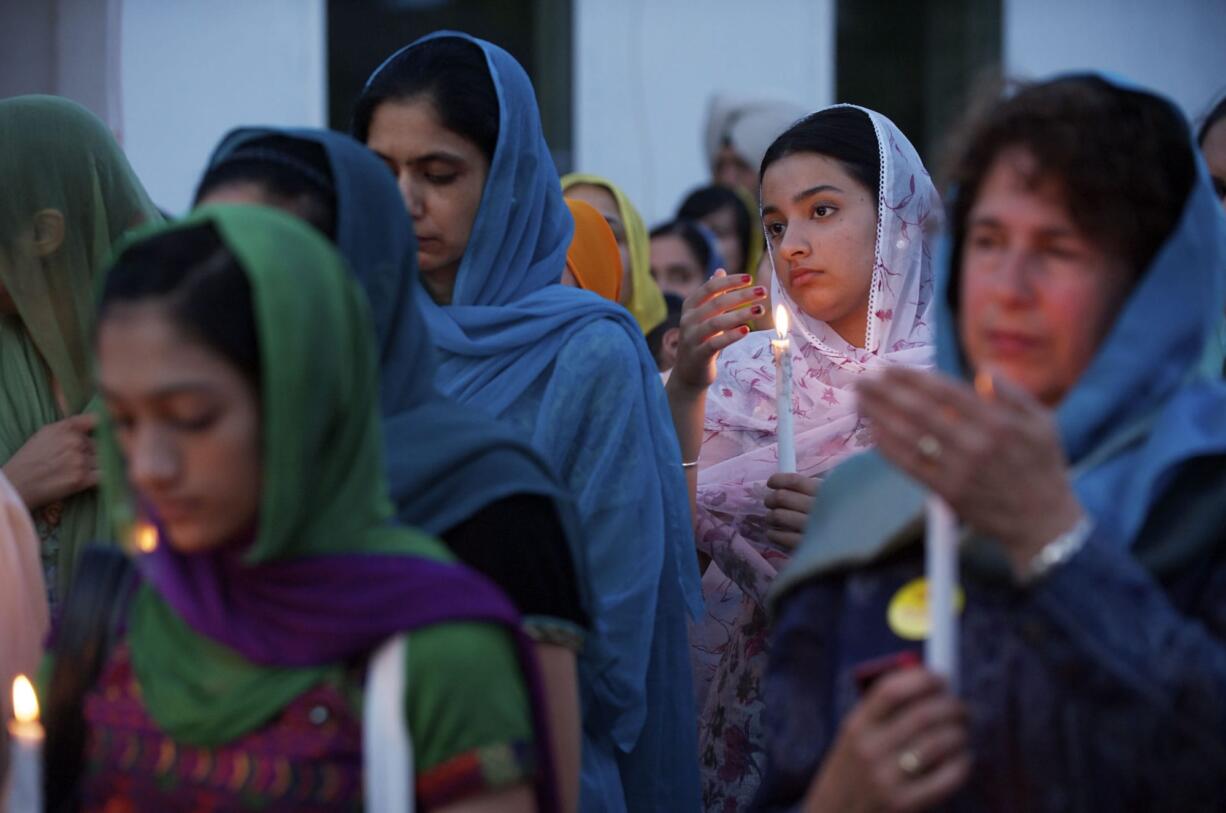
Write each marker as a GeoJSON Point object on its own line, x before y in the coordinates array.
{"type": "Point", "coordinates": [739, 450]}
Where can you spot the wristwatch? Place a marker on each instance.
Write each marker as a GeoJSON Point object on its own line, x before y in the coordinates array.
{"type": "Point", "coordinates": [1059, 550]}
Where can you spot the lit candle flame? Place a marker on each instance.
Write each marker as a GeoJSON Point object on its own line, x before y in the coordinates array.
{"type": "Point", "coordinates": [146, 538]}
{"type": "Point", "coordinates": [781, 321]}
{"type": "Point", "coordinates": [25, 701]}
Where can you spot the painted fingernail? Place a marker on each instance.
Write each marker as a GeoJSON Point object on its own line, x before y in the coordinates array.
{"type": "Point", "coordinates": [746, 278]}
{"type": "Point", "coordinates": [758, 309]}
{"type": "Point", "coordinates": [744, 330]}
{"type": "Point", "coordinates": [759, 291]}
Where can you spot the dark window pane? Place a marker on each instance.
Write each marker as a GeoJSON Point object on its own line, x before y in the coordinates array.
{"type": "Point", "coordinates": [917, 61]}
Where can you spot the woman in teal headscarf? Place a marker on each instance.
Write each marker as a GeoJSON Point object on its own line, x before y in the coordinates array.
{"type": "Point", "coordinates": [238, 374]}
{"type": "Point", "coordinates": [66, 195]}
{"type": "Point", "coordinates": [1081, 286]}
{"type": "Point", "coordinates": [456, 120]}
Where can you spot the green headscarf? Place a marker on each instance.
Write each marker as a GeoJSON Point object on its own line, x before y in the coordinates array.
{"type": "Point", "coordinates": [323, 493]}
{"type": "Point", "coordinates": [646, 302]}
{"type": "Point", "coordinates": [55, 154]}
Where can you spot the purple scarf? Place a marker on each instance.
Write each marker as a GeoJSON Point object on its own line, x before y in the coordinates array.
{"type": "Point", "coordinates": [337, 607]}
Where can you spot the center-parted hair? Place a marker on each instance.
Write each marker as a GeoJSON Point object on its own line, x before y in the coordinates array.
{"type": "Point", "coordinates": [206, 293]}
{"type": "Point", "coordinates": [690, 235]}
{"type": "Point", "coordinates": [453, 74]}
{"type": "Point", "coordinates": [711, 199]}
{"type": "Point", "coordinates": [845, 134]}
{"type": "Point", "coordinates": [293, 170]}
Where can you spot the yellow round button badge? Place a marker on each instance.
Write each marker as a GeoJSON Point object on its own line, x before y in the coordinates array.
{"type": "Point", "coordinates": [908, 613]}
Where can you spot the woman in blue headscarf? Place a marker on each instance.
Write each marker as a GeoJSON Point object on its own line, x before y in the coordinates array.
{"type": "Point", "coordinates": [452, 471]}
{"type": "Point", "coordinates": [456, 120]}
{"type": "Point", "coordinates": [1082, 285]}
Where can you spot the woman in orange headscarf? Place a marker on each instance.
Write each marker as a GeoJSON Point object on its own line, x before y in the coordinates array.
{"type": "Point", "coordinates": [593, 261]}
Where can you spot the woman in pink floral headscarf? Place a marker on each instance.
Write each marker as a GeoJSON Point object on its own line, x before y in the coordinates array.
{"type": "Point", "coordinates": [851, 218]}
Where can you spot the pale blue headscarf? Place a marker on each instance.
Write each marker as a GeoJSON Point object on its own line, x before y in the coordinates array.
{"type": "Point", "coordinates": [499, 343]}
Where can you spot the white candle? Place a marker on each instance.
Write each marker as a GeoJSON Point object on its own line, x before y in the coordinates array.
{"type": "Point", "coordinates": [941, 566]}
{"type": "Point", "coordinates": [784, 430]}
{"type": "Point", "coordinates": [25, 781]}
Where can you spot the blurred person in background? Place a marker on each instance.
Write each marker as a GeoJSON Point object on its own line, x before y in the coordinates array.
{"type": "Point", "coordinates": [594, 260]}
{"type": "Point", "coordinates": [67, 193]}
{"type": "Point", "coordinates": [639, 292]}
{"type": "Point", "coordinates": [723, 211]}
{"type": "Point", "coordinates": [683, 257]}
{"type": "Point", "coordinates": [1212, 141]}
{"type": "Point", "coordinates": [737, 133]}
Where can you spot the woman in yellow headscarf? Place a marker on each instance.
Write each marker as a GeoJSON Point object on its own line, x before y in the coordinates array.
{"type": "Point", "coordinates": [640, 294]}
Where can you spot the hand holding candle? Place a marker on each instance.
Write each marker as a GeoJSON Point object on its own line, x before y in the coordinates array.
{"type": "Point", "coordinates": [785, 430]}
{"type": "Point", "coordinates": [25, 781]}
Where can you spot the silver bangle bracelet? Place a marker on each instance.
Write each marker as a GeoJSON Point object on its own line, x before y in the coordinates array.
{"type": "Point", "coordinates": [1058, 551]}
{"type": "Point", "coordinates": [693, 464]}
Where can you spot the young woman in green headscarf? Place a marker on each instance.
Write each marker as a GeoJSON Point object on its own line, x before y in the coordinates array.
{"type": "Point", "coordinates": [66, 195]}
{"type": "Point", "coordinates": [237, 366]}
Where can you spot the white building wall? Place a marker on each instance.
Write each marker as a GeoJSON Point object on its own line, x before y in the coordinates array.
{"type": "Point", "coordinates": [1177, 47]}
{"type": "Point", "coordinates": [644, 70]}
{"type": "Point", "coordinates": [193, 69]}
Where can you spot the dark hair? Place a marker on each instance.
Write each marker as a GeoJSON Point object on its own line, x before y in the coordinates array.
{"type": "Point", "coordinates": [1215, 114]}
{"type": "Point", "coordinates": [845, 134]}
{"type": "Point", "coordinates": [90, 622]}
{"type": "Point", "coordinates": [291, 169]}
{"type": "Point", "coordinates": [692, 237]}
{"type": "Point", "coordinates": [1121, 158]}
{"type": "Point", "coordinates": [206, 293]}
{"type": "Point", "coordinates": [453, 74]}
{"type": "Point", "coordinates": [655, 339]}
{"type": "Point", "coordinates": [711, 199]}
